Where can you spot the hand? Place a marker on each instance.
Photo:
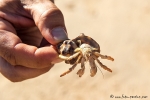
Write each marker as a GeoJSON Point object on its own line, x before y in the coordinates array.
{"type": "Point", "coordinates": [23, 24]}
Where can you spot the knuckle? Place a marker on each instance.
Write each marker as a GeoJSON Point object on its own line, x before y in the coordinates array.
{"type": "Point", "coordinates": [9, 57]}
{"type": "Point", "coordinates": [6, 47]}
{"type": "Point", "coordinates": [56, 12]}
{"type": "Point", "coordinates": [53, 16]}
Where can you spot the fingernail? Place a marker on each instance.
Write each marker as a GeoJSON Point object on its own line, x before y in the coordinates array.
{"type": "Point", "coordinates": [59, 34]}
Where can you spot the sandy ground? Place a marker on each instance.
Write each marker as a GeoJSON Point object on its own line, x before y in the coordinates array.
{"type": "Point", "coordinates": [122, 28]}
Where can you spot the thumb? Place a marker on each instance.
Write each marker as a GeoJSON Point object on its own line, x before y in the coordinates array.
{"type": "Point", "coordinates": [50, 21]}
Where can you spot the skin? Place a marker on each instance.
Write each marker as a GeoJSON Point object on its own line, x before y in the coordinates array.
{"type": "Point", "coordinates": [23, 24]}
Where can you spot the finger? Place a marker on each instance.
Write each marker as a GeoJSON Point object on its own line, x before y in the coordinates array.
{"type": "Point", "coordinates": [17, 53]}
{"type": "Point", "coordinates": [19, 73]}
{"type": "Point", "coordinates": [50, 21]}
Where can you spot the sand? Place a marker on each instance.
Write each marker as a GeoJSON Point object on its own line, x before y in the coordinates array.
{"type": "Point", "coordinates": [122, 28]}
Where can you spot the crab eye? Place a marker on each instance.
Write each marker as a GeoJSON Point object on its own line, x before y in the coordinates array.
{"type": "Point", "coordinates": [65, 42]}
{"type": "Point", "coordinates": [71, 42]}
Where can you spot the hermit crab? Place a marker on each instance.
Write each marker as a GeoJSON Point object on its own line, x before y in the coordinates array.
{"type": "Point", "coordinates": [80, 50]}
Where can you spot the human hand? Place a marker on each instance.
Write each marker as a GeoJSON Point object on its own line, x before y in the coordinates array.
{"type": "Point", "coordinates": [23, 24]}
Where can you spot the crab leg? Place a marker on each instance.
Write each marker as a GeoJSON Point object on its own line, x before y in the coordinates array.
{"type": "Point", "coordinates": [70, 57]}
{"type": "Point", "coordinates": [104, 56]}
{"type": "Point", "coordinates": [93, 70]}
{"type": "Point", "coordinates": [103, 66]}
{"type": "Point", "coordinates": [77, 50]}
{"type": "Point", "coordinates": [72, 68]}
{"type": "Point", "coordinates": [81, 71]}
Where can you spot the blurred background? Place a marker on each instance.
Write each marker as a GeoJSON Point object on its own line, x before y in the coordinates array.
{"type": "Point", "coordinates": [122, 28]}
